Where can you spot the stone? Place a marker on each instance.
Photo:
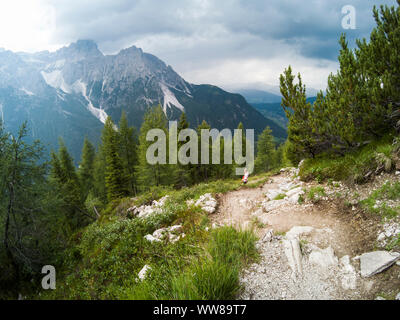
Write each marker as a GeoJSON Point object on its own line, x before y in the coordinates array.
{"type": "Point", "coordinates": [174, 238]}
{"type": "Point", "coordinates": [380, 298]}
{"type": "Point", "coordinates": [273, 205]}
{"type": "Point", "coordinates": [286, 187]}
{"type": "Point", "coordinates": [378, 261]}
{"type": "Point", "coordinates": [257, 213]}
{"type": "Point", "coordinates": [390, 229]}
{"type": "Point", "coordinates": [398, 296]}
{"type": "Point", "coordinates": [150, 238]}
{"type": "Point", "coordinates": [294, 199]}
{"type": "Point", "coordinates": [301, 163]}
{"type": "Point", "coordinates": [208, 209]}
{"type": "Point", "coordinates": [293, 254]}
{"type": "Point", "coordinates": [296, 232]}
{"type": "Point", "coordinates": [296, 190]}
{"type": "Point", "coordinates": [160, 233]}
{"type": "Point", "coordinates": [207, 203]}
{"type": "Point", "coordinates": [268, 236]}
{"type": "Point", "coordinates": [143, 273]}
{"type": "Point", "coordinates": [349, 275]}
{"type": "Point", "coordinates": [164, 233]}
{"type": "Point", "coordinates": [323, 257]}
{"type": "Point", "coordinates": [272, 194]}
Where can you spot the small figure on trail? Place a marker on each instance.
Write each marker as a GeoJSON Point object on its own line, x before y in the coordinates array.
{"type": "Point", "coordinates": [246, 176]}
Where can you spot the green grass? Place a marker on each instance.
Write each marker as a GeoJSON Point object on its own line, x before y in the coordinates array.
{"type": "Point", "coordinates": [212, 275]}
{"type": "Point", "coordinates": [256, 222]}
{"type": "Point", "coordinates": [104, 259]}
{"type": "Point", "coordinates": [351, 167]}
{"type": "Point", "coordinates": [389, 191]}
{"type": "Point", "coordinates": [280, 196]}
{"type": "Point", "coordinates": [316, 193]}
{"type": "Point", "coordinates": [394, 243]}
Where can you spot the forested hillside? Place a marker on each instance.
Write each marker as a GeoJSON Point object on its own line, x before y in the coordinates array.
{"type": "Point", "coordinates": [274, 111]}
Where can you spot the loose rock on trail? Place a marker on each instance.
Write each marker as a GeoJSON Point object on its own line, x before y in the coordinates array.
{"type": "Point", "coordinates": [308, 251]}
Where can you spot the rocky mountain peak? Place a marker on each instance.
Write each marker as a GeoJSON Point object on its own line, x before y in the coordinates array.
{"type": "Point", "coordinates": [131, 50]}
{"type": "Point", "coordinates": [80, 50]}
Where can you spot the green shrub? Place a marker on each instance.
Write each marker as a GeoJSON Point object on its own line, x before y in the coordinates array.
{"type": "Point", "coordinates": [104, 259]}
{"type": "Point", "coordinates": [216, 276]}
{"type": "Point", "coordinates": [207, 279]}
{"type": "Point", "coordinates": [351, 167]}
{"type": "Point", "coordinates": [316, 193]}
{"type": "Point", "coordinates": [280, 196]}
{"type": "Point", "coordinates": [389, 191]}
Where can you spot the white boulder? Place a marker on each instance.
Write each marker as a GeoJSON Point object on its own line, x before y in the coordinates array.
{"type": "Point", "coordinates": [151, 238]}
{"type": "Point", "coordinates": [166, 233]}
{"type": "Point", "coordinates": [207, 203]}
{"type": "Point", "coordinates": [145, 211]}
{"type": "Point", "coordinates": [297, 231]}
{"type": "Point", "coordinates": [378, 261]}
{"type": "Point", "coordinates": [323, 257]}
{"type": "Point", "coordinates": [143, 273]}
{"type": "Point", "coordinates": [349, 275]}
{"type": "Point", "coordinates": [294, 257]}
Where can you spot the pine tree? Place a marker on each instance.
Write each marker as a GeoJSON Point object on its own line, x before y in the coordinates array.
{"type": "Point", "coordinates": [65, 179]}
{"type": "Point", "coordinates": [202, 171]}
{"type": "Point", "coordinates": [183, 172]}
{"type": "Point", "coordinates": [152, 174]}
{"type": "Point", "coordinates": [299, 113]}
{"type": "Point", "coordinates": [99, 178]}
{"type": "Point", "coordinates": [380, 63]}
{"type": "Point", "coordinates": [128, 152]}
{"type": "Point", "coordinates": [21, 206]}
{"type": "Point", "coordinates": [266, 154]}
{"type": "Point", "coordinates": [362, 100]}
{"type": "Point", "coordinates": [86, 168]}
{"type": "Point", "coordinates": [244, 142]}
{"type": "Point", "coordinates": [115, 179]}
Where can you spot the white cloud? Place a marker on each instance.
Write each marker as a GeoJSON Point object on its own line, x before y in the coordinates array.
{"type": "Point", "coordinates": [26, 25]}
{"type": "Point", "coordinates": [229, 43]}
{"type": "Point", "coordinates": [262, 74]}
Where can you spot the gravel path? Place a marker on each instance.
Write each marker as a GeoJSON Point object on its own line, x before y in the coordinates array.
{"type": "Point", "coordinates": [306, 251]}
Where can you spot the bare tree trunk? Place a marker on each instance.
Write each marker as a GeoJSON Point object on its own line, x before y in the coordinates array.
{"type": "Point", "coordinates": [6, 240]}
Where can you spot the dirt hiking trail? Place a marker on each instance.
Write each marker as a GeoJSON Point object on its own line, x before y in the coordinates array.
{"type": "Point", "coordinates": [307, 250]}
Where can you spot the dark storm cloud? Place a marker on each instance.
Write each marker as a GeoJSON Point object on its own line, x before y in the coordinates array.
{"type": "Point", "coordinates": [314, 26]}
{"type": "Point", "coordinates": [188, 33]}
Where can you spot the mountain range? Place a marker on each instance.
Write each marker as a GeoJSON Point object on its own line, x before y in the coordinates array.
{"type": "Point", "coordinates": [259, 96]}
{"type": "Point", "coordinates": [274, 111]}
{"type": "Point", "coordinates": [69, 93]}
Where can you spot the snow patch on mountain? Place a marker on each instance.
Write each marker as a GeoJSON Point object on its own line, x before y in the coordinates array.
{"type": "Point", "coordinates": [170, 99]}
{"type": "Point", "coordinates": [29, 93]}
{"type": "Point", "coordinates": [61, 95]}
{"type": "Point", "coordinates": [56, 80]}
{"type": "Point", "coordinates": [100, 114]}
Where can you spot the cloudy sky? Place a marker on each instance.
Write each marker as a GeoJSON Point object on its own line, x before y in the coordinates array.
{"type": "Point", "coordinates": [230, 43]}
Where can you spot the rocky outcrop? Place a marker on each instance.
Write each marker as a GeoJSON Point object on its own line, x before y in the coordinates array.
{"type": "Point", "coordinates": [375, 262]}
{"type": "Point", "coordinates": [143, 273]}
{"type": "Point", "coordinates": [288, 192]}
{"type": "Point", "coordinates": [206, 202]}
{"type": "Point", "coordinates": [145, 211]}
{"type": "Point", "coordinates": [171, 234]}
